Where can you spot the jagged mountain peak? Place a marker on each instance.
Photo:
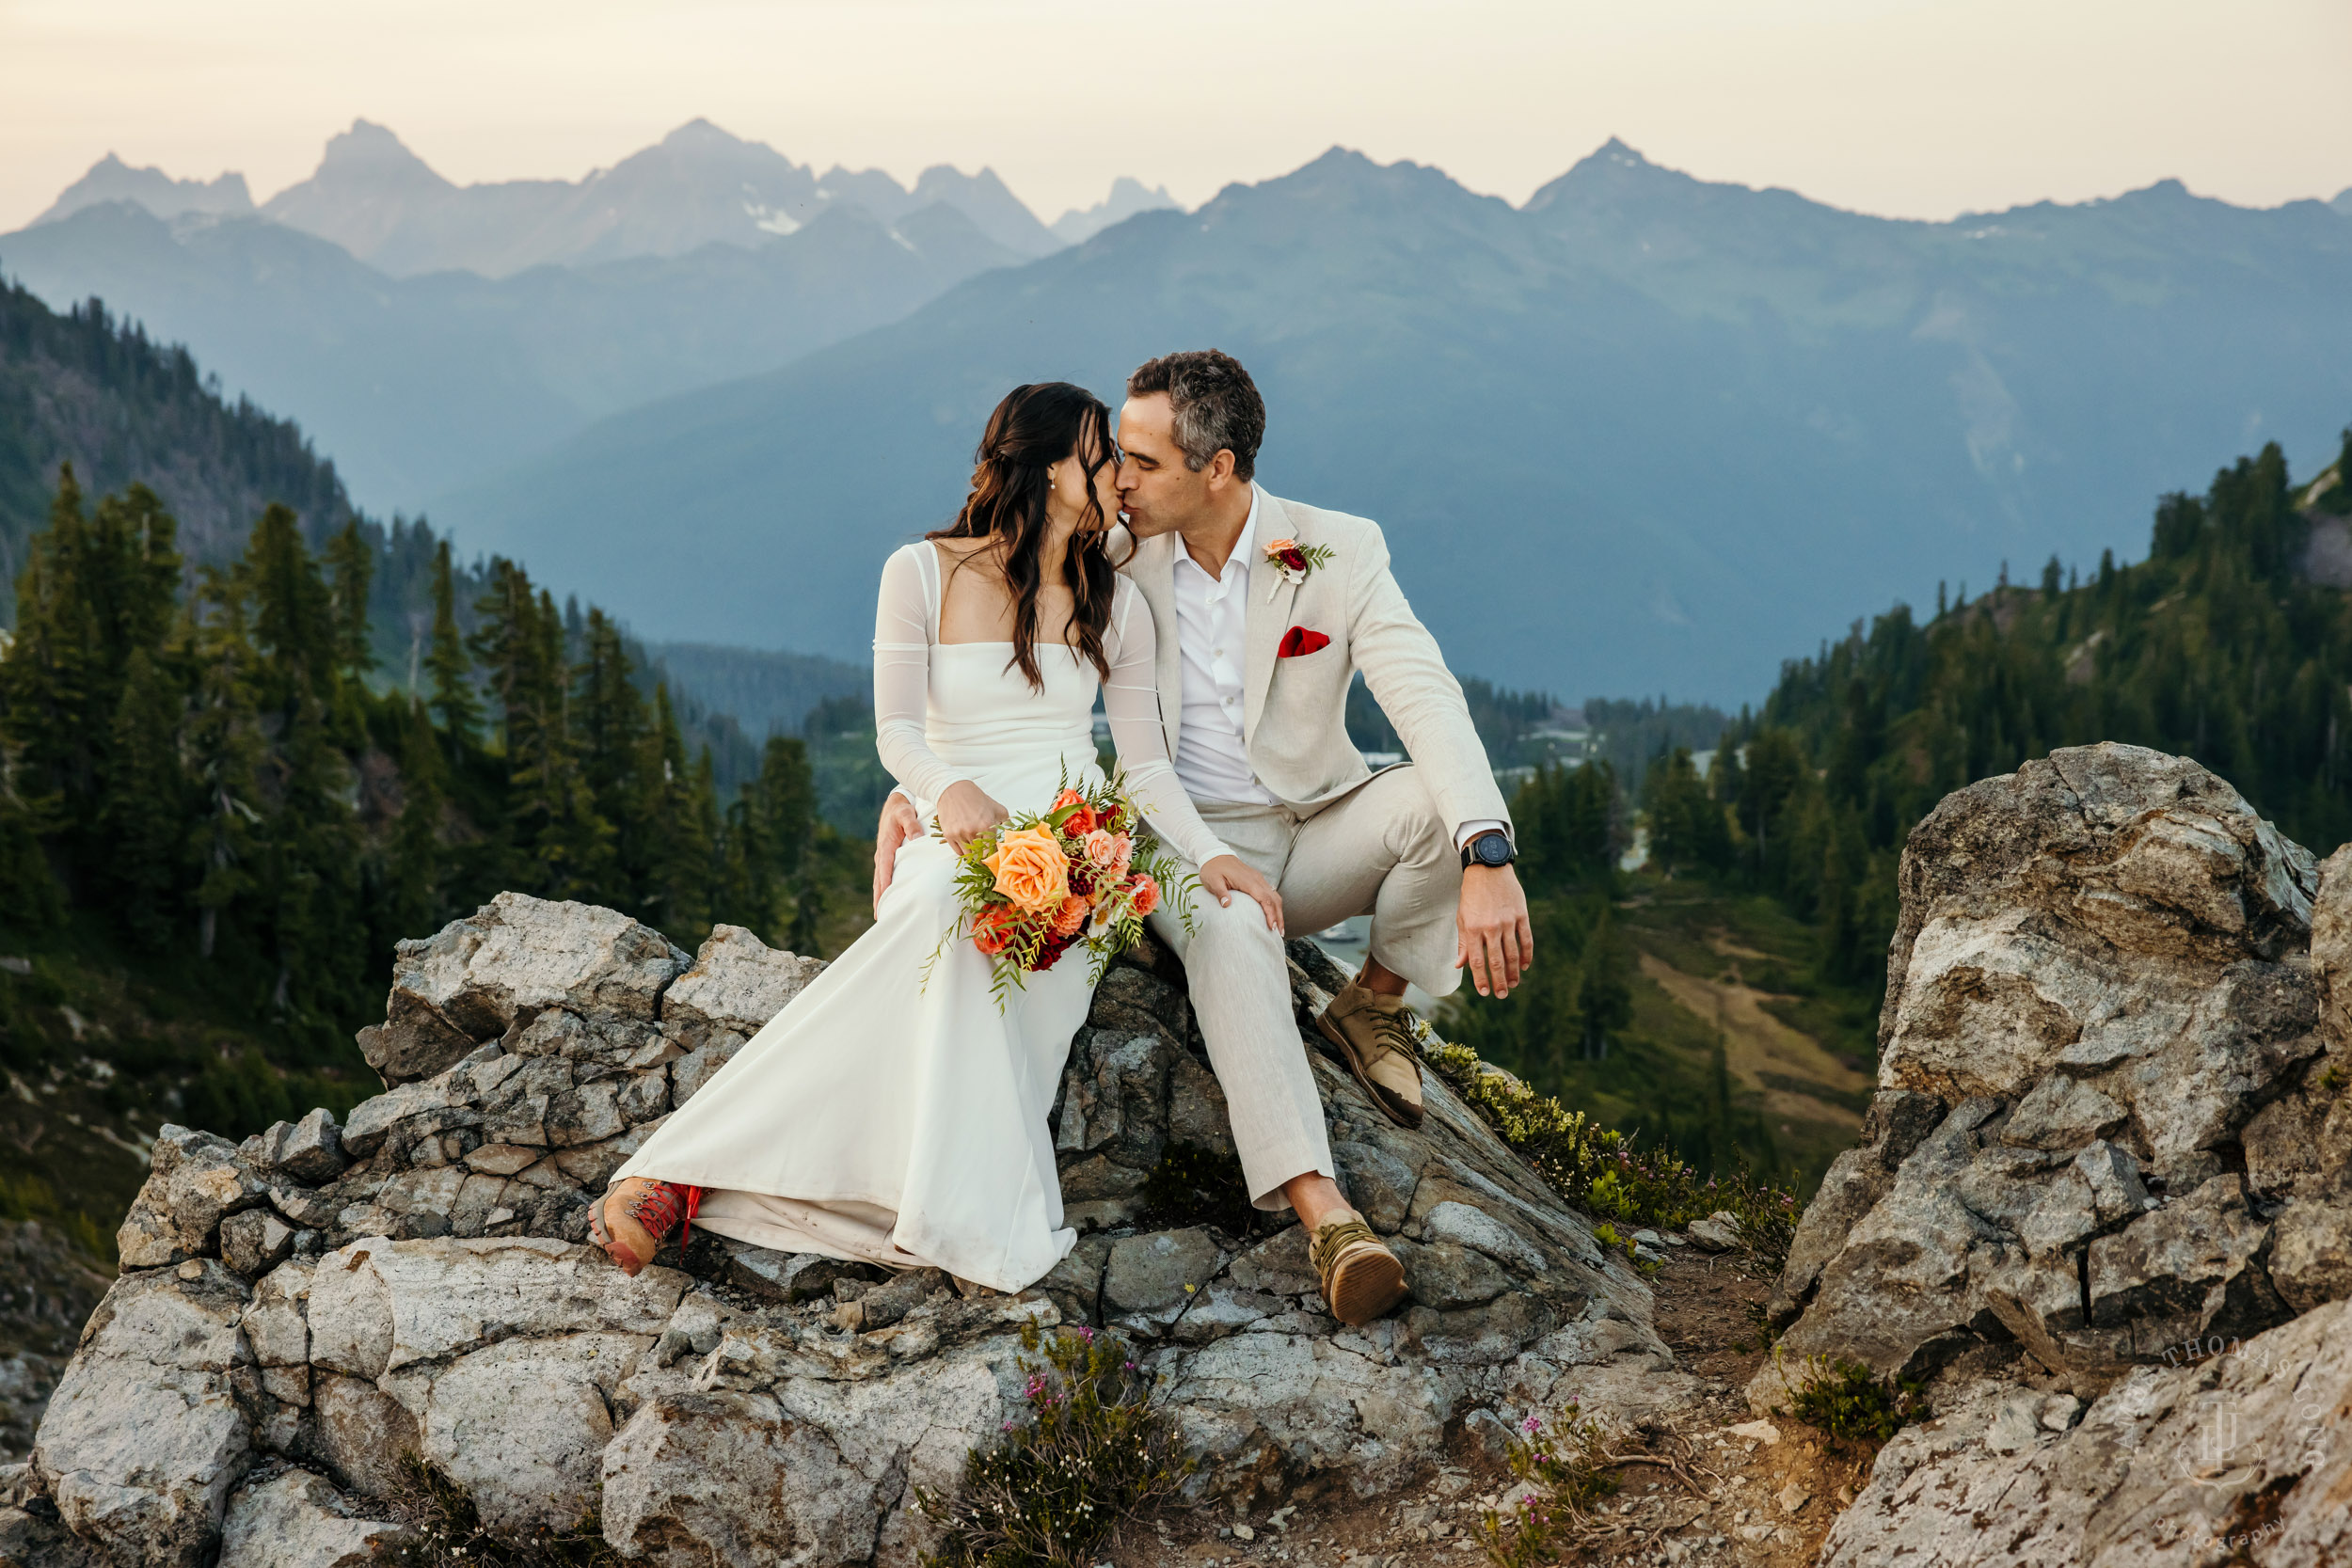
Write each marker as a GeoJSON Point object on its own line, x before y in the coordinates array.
{"type": "Point", "coordinates": [1129, 196]}
{"type": "Point", "coordinates": [112, 180]}
{"type": "Point", "coordinates": [374, 150]}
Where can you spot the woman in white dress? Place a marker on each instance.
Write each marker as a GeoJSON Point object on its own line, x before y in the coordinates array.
{"type": "Point", "coordinates": [901, 1120]}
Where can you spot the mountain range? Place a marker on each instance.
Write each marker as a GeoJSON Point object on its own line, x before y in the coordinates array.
{"type": "Point", "coordinates": [698, 185]}
{"type": "Point", "coordinates": [1643, 431]}
{"type": "Point", "coordinates": [430, 333]}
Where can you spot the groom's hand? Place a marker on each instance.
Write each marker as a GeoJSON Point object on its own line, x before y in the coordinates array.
{"type": "Point", "coordinates": [1497, 943]}
{"type": "Point", "coordinates": [1228, 874]}
{"type": "Point", "coordinates": [898, 825]}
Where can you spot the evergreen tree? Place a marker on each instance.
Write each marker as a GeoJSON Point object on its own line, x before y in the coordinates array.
{"type": "Point", "coordinates": [679, 855]}
{"type": "Point", "coordinates": [454, 701]}
{"type": "Point", "coordinates": [616, 753]}
{"type": "Point", "coordinates": [225, 753]}
{"type": "Point", "coordinates": [417, 863]}
{"type": "Point", "coordinates": [1605, 990]}
{"type": "Point", "coordinates": [147, 804]}
{"type": "Point", "coordinates": [351, 570]}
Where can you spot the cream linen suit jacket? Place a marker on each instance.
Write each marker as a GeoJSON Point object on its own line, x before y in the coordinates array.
{"type": "Point", "coordinates": [1294, 713]}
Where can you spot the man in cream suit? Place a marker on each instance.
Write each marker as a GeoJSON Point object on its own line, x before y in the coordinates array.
{"type": "Point", "coordinates": [1256, 653]}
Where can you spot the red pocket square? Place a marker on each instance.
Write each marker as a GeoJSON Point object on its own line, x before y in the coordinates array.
{"type": "Point", "coordinates": [1298, 640]}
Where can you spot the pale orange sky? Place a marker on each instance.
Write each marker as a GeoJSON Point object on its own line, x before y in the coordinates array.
{"type": "Point", "coordinates": [1911, 107]}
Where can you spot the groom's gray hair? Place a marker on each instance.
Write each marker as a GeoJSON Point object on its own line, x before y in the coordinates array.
{"type": "Point", "coordinates": [1216, 405]}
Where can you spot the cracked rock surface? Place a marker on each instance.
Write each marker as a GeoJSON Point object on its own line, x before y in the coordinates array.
{"type": "Point", "coordinates": [414, 1282]}
{"type": "Point", "coordinates": [2103, 1199]}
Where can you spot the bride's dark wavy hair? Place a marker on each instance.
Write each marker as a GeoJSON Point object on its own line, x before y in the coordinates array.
{"type": "Point", "coordinates": [1037, 426]}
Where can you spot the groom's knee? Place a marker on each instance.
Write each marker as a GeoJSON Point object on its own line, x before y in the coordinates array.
{"type": "Point", "coordinates": [1226, 936]}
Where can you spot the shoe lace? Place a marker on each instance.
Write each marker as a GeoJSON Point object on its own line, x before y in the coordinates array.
{"type": "Point", "coordinates": [1398, 1031]}
{"type": "Point", "coordinates": [1335, 1236]}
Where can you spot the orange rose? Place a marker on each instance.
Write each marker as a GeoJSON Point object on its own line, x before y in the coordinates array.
{"type": "Point", "coordinates": [1143, 893]}
{"type": "Point", "coordinates": [993, 928]}
{"type": "Point", "coordinates": [1080, 822]}
{"type": "Point", "coordinates": [1073, 917]}
{"type": "Point", "coordinates": [1030, 871]}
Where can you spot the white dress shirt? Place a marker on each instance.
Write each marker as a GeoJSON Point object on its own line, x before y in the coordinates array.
{"type": "Point", "coordinates": [1212, 621]}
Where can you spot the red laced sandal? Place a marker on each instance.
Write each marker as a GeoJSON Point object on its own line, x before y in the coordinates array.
{"type": "Point", "coordinates": [654, 1209]}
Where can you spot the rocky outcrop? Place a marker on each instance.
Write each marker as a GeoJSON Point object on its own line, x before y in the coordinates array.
{"type": "Point", "coordinates": [2104, 1099]}
{"type": "Point", "coordinates": [413, 1282]}
{"type": "Point", "coordinates": [2235, 1457]}
{"type": "Point", "coordinates": [2105, 1191]}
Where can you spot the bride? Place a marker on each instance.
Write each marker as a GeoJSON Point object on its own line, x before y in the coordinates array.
{"type": "Point", "coordinates": [901, 1120]}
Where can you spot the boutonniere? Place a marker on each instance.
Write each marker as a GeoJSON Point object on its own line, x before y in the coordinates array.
{"type": "Point", "coordinates": [1293, 561]}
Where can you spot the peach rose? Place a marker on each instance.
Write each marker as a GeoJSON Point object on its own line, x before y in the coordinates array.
{"type": "Point", "coordinates": [1143, 893]}
{"type": "Point", "coordinates": [1073, 917]}
{"type": "Point", "coordinates": [1030, 871]}
{"type": "Point", "coordinates": [1102, 849]}
{"type": "Point", "coordinates": [1126, 855]}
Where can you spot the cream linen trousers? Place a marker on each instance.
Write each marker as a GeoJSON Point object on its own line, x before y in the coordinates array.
{"type": "Point", "coordinates": [1380, 850]}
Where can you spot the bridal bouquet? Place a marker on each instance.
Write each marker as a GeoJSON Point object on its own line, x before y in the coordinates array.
{"type": "Point", "coordinates": [1083, 874]}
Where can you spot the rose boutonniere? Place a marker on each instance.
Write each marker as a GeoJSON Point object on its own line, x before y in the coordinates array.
{"type": "Point", "coordinates": [1293, 561]}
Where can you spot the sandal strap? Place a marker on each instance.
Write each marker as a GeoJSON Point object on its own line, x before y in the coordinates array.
{"type": "Point", "coordinates": [659, 1205]}
{"type": "Point", "coordinates": [1332, 1241]}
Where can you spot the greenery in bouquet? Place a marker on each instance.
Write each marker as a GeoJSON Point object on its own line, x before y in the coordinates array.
{"type": "Point", "coordinates": [1084, 874]}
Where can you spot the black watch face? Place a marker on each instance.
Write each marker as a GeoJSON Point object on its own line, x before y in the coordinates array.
{"type": "Point", "coordinates": [1492, 849]}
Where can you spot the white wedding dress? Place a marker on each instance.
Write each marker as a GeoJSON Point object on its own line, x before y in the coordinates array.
{"type": "Point", "coordinates": [884, 1119]}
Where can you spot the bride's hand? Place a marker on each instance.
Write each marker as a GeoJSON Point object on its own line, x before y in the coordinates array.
{"type": "Point", "coordinates": [965, 813]}
{"type": "Point", "coordinates": [1227, 875]}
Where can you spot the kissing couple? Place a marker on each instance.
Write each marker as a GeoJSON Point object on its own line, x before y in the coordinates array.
{"type": "Point", "coordinates": [898, 1114]}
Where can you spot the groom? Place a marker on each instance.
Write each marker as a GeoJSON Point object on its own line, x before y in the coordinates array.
{"type": "Point", "coordinates": [1264, 608]}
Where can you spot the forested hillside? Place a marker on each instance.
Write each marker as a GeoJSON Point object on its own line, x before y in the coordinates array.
{"type": "Point", "coordinates": [1769, 899]}
{"type": "Point", "coordinates": [239, 760]}
{"type": "Point", "coordinates": [80, 387]}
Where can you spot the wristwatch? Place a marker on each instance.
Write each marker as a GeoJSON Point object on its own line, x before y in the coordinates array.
{"type": "Point", "coordinates": [1491, 847]}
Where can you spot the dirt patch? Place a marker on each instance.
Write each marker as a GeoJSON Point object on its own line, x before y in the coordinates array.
{"type": "Point", "coordinates": [1804, 1089]}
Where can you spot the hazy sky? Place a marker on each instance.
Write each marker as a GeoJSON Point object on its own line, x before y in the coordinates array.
{"type": "Point", "coordinates": [1914, 107]}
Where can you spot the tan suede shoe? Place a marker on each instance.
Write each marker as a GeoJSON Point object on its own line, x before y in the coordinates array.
{"type": "Point", "coordinates": [1360, 1277]}
{"type": "Point", "coordinates": [1376, 1034]}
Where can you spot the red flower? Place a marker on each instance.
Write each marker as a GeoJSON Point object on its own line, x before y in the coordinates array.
{"type": "Point", "coordinates": [1293, 558]}
{"type": "Point", "coordinates": [1080, 822]}
{"type": "Point", "coordinates": [993, 928]}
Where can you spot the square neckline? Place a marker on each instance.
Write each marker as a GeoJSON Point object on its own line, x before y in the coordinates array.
{"type": "Point", "coordinates": [928, 553]}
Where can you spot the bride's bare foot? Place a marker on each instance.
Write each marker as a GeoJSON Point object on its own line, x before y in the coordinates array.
{"type": "Point", "coordinates": [633, 1218]}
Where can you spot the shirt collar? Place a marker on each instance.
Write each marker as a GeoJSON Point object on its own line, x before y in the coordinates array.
{"type": "Point", "coordinates": [1243, 546]}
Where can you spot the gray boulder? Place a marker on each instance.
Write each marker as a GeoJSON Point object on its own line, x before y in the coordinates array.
{"type": "Point", "coordinates": [2237, 1456]}
{"type": "Point", "coordinates": [428, 1294]}
{"type": "Point", "coordinates": [295, 1519]}
{"type": "Point", "coordinates": [147, 1434]}
{"type": "Point", "coordinates": [2102, 984]}
{"type": "Point", "coordinates": [194, 1181]}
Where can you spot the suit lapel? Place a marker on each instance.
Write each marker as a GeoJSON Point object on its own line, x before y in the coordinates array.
{"type": "Point", "coordinates": [1153, 573]}
{"type": "Point", "coordinates": [1269, 613]}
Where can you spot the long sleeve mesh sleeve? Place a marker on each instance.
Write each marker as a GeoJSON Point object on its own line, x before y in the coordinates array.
{"type": "Point", "coordinates": [903, 675]}
{"type": "Point", "coordinates": [1131, 699]}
